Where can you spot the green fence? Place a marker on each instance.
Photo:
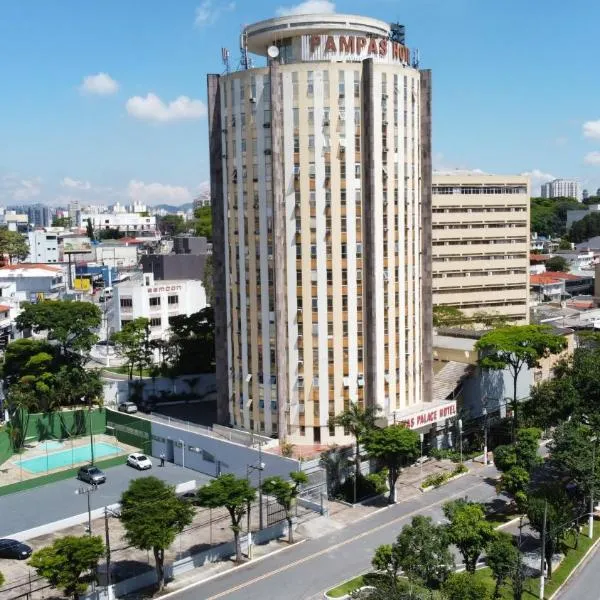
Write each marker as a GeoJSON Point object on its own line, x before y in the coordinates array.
{"type": "Point", "coordinates": [130, 430]}
{"type": "Point", "coordinates": [6, 450]}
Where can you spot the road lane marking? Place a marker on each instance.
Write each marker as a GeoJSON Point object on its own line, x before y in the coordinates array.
{"type": "Point", "coordinates": [335, 546]}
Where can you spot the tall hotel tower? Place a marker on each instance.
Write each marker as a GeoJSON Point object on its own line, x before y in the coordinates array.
{"type": "Point", "coordinates": [321, 189]}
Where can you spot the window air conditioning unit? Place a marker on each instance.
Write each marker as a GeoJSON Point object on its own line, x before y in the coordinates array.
{"type": "Point", "coordinates": [268, 151]}
{"type": "Point", "coordinates": [253, 100]}
{"type": "Point", "coordinates": [326, 122]}
{"type": "Point", "coordinates": [267, 125]}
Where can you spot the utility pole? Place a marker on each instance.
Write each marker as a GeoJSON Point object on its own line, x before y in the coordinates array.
{"type": "Point", "coordinates": [543, 552]}
{"type": "Point", "coordinates": [591, 517]}
{"type": "Point", "coordinates": [107, 538]}
{"type": "Point", "coordinates": [485, 436]}
{"type": "Point", "coordinates": [260, 495]}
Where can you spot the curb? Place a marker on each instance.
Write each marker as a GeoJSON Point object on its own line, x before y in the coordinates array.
{"type": "Point", "coordinates": [228, 571]}
{"type": "Point", "coordinates": [436, 487]}
{"type": "Point", "coordinates": [579, 566]}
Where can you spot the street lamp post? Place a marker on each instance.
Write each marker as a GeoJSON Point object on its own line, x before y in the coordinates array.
{"type": "Point", "coordinates": [421, 436]}
{"type": "Point", "coordinates": [485, 440]}
{"type": "Point", "coordinates": [91, 426]}
{"type": "Point", "coordinates": [88, 491]}
{"type": "Point", "coordinates": [460, 439]}
{"type": "Point", "coordinates": [182, 453]}
{"type": "Point", "coordinates": [543, 552]}
{"type": "Point", "coordinates": [260, 468]}
{"type": "Point", "coordinates": [591, 517]}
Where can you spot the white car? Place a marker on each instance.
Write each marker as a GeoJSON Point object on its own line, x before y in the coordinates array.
{"type": "Point", "coordinates": [139, 461]}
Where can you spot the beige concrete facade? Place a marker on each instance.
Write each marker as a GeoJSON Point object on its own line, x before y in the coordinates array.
{"type": "Point", "coordinates": [298, 260]}
{"type": "Point", "coordinates": [480, 244]}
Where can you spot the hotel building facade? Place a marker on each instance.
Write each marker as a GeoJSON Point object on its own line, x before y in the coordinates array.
{"type": "Point", "coordinates": [480, 244]}
{"type": "Point", "coordinates": [321, 190]}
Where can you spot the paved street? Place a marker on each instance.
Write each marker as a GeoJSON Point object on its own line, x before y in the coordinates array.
{"type": "Point", "coordinates": [585, 584]}
{"type": "Point", "coordinates": [312, 567]}
{"type": "Point", "coordinates": [55, 501]}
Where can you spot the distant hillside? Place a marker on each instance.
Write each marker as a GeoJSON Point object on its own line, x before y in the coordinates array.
{"type": "Point", "coordinates": [173, 209]}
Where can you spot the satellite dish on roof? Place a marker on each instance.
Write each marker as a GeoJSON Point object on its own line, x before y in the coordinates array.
{"type": "Point", "coordinates": [273, 51]}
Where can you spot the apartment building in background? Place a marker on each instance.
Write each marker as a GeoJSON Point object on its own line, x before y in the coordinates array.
{"type": "Point", "coordinates": [320, 187]}
{"type": "Point", "coordinates": [43, 246]}
{"type": "Point", "coordinates": [561, 188]}
{"type": "Point", "coordinates": [480, 243]}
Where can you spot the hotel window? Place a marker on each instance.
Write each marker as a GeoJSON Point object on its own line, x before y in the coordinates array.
{"type": "Point", "coordinates": [154, 301]}
{"type": "Point", "coordinates": [296, 143]}
{"type": "Point", "coordinates": [126, 302]}
{"type": "Point", "coordinates": [173, 300]}
{"type": "Point", "coordinates": [311, 142]}
{"type": "Point", "coordinates": [294, 85]}
{"type": "Point", "coordinates": [311, 115]}
{"type": "Point", "coordinates": [311, 170]}
{"type": "Point", "coordinates": [310, 88]}
{"type": "Point", "coordinates": [356, 84]}
{"type": "Point", "coordinates": [296, 118]}
{"type": "Point", "coordinates": [155, 322]}
{"type": "Point", "coordinates": [357, 170]}
{"type": "Point", "coordinates": [326, 84]}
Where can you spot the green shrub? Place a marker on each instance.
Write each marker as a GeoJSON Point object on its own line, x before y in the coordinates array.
{"type": "Point", "coordinates": [371, 485]}
{"type": "Point", "coordinates": [379, 481]}
{"type": "Point", "coordinates": [459, 468]}
{"type": "Point", "coordinates": [435, 480]}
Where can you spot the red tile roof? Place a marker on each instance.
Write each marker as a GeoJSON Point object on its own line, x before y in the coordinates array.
{"type": "Point", "coordinates": [544, 278]}
{"type": "Point", "coordinates": [4, 308]}
{"type": "Point", "coordinates": [538, 258]}
{"type": "Point", "coordinates": [568, 276]}
{"type": "Point", "coordinates": [16, 267]}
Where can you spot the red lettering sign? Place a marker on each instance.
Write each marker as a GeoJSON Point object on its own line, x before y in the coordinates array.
{"type": "Point", "coordinates": [361, 42]}
{"type": "Point", "coordinates": [357, 44]}
{"type": "Point", "coordinates": [347, 44]}
{"type": "Point", "coordinates": [315, 42]}
{"type": "Point", "coordinates": [330, 44]}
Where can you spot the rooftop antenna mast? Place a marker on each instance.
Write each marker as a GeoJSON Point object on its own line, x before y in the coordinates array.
{"type": "Point", "coordinates": [225, 59]}
{"type": "Point", "coordinates": [415, 60]}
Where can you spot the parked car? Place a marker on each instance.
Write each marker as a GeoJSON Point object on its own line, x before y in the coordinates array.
{"type": "Point", "coordinates": [139, 461]}
{"type": "Point", "coordinates": [14, 549]}
{"type": "Point", "coordinates": [147, 406]}
{"type": "Point", "coordinates": [91, 474]}
{"type": "Point", "coordinates": [128, 407]}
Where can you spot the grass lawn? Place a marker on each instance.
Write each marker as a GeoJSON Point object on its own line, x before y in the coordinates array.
{"type": "Point", "coordinates": [346, 587]}
{"type": "Point", "coordinates": [560, 574]}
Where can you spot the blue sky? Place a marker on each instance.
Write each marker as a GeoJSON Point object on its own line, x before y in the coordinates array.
{"type": "Point", "coordinates": [516, 89]}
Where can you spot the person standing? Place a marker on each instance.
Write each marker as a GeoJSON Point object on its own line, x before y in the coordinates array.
{"type": "Point", "coordinates": [162, 459]}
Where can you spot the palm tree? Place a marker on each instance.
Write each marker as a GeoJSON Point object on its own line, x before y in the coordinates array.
{"type": "Point", "coordinates": [21, 403]}
{"type": "Point", "coordinates": [357, 421]}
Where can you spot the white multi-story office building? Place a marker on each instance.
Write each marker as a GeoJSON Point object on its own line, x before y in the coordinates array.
{"type": "Point", "coordinates": [559, 188]}
{"type": "Point", "coordinates": [320, 187]}
{"type": "Point", "coordinates": [480, 238]}
{"type": "Point", "coordinates": [157, 301]}
{"type": "Point", "coordinates": [43, 246]}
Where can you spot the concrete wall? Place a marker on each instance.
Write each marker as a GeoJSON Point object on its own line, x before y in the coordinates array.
{"type": "Point", "coordinates": [213, 456]}
{"type": "Point", "coordinates": [174, 266]}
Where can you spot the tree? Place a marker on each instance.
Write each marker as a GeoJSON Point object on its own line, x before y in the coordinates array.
{"type": "Point", "coordinates": [67, 323]}
{"type": "Point", "coordinates": [572, 451]}
{"type": "Point", "coordinates": [550, 402]}
{"type": "Point", "coordinates": [152, 515]}
{"type": "Point", "coordinates": [515, 482]}
{"type": "Point", "coordinates": [2, 580]}
{"type": "Point", "coordinates": [557, 263]}
{"type": "Point", "coordinates": [422, 551]}
{"type": "Point", "coordinates": [357, 421]}
{"type": "Point", "coordinates": [62, 222]}
{"type": "Point", "coordinates": [585, 228]}
{"type": "Point", "coordinates": [526, 448]}
{"type": "Point", "coordinates": [22, 357]}
{"type": "Point", "coordinates": [13, 245]}
{"type": "Point", "coordinates": [448, 316]}
{"type": "Point", "coordinates": [193, 341]}
{"type": "Point", "coordinates": [560, 511]}
{"type": "Point", "coordinates": [395, 446]}
{"type": "Point", "coordinates": [133, 343]}
{"type": "Point", "coordinates": [564, 244]}
{"type": "Point", "coordinates": [464, 586]}
{"type": "Point", "coordinates": [89, 230]}
{"type": "Point", "coordinates": [515, 347]}
{"type": "Point", "coordinates": [203, 224]}
{"type": "Point", "coordinates": [172, 225]}
{"type": "Point", "coordinates": [468, 530]}
{"type": "Point", "coordinates": [69, 564]}
{"type": "Point", "coordinates": [235, 495]}
{"type": "Point", "coordinates": [549, 215]}
{"type": "Point", "coordinates": [502, 560]}
{"type": "Point", "coordinates": [505, 457]}
{"type": "Point", "coordinates": [385, 560]}
{"type": "Point", "coordinates": [21, 402]}
{"type": "Point", "coordinates": [285, 492]}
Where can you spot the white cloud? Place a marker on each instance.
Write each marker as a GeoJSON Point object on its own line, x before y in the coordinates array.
{"type": "Point", "coordinates": [310, 7]}
{"type": "Point", "coordinates": [75, 184]}
{"type": "Point", "coordinates": [591, 129]}
{"type": "Point", "coordinates": [207, 13]}
{"type": "Point", "coordinates": [101, 84]}
{"type": "Point", "coordinates": [592, 158]}
{"type": "Point", "coordinates": [158, 193]}
{"type": "Point", "coordinates": [537, 177]}
{"type": "Point", "coordinates": [152, 108]}
{"type": "Point", "coordinates": [14, 187]}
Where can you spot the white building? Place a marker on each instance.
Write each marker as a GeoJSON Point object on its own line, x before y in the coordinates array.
{"type": "Point", "coordinates": [116, 254]}
{"type": "Point", "coordinates": [567, 188]}
{"type": "Point", "coordinates": [157, 301]}
{"type": "Point", "coordinates": [12, 220]}
{"type": "Point", "coordinates": [34, 282]}
{"type": "Point", "coordinates": [135, 224]}
{"type": "Point", "coordinates": [43, 247]}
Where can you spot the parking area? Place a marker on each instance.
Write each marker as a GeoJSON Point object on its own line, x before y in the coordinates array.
{"type": "Point", "coordinates": [56, 501]}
